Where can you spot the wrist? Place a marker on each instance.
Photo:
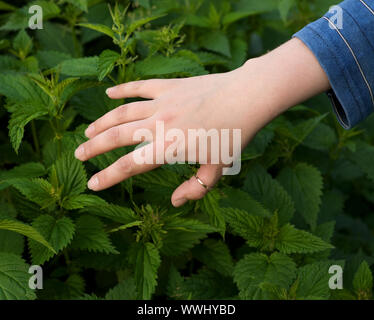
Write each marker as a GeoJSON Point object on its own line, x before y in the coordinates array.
{"type": "Point", "coordinates": [283, 78]}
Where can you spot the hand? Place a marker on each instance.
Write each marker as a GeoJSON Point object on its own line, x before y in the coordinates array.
{"type": "Point", "coordinates": [246, 99]}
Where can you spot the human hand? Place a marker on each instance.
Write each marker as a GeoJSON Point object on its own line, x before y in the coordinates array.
{"type": "Point", "coordinates": [245, 99]}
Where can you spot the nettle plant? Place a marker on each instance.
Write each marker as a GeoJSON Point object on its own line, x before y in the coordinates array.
{"type": "Point", "coordinates": [301, 203]}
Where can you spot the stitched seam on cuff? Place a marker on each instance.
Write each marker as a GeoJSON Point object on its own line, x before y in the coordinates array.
{"type": "Point", "coordinates": [355, 58]}
{"type": "Point", "coordinates": [337, 61]}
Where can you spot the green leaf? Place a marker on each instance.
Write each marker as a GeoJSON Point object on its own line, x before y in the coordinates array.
{"type": "Point", "coordinates": [20, 118]}
{"type": "Point", "coordinates": [206, 285]}
{"type": "Point", "coordinates": [141, 22]}
{"type": "Point", "coordinates": [125, 290]}
{"type": "Point", "coordinates": [37, 190]}
{"type": "Point", "coordinates": [158, 65]}
{"type": "Point", "coordinates": [362, 157]}
{"type": "Point", "coordinates": [262, 187]}
{"type": "Point", "coordinates": [147, 263]}
{"type": "Point", "coordinates": [238, 199]}
{"type": "Point", "coordinates": [22, 43]}
{"type": "Point", "coordinates": [90, 235]}
{"type": "Point", "coordinates": [80, 67]}
{"type": "Point", "coordinates": [313, 281]}
{"type": "Point", "coordinates": [210, 206]}
{"type": "Point", "coordinates": [182, 234]}
{"type": "Point", "coordinates": [363, 282]}
{"type": "Point", "coordinates": [50, 58]}
{"type": "Point", "coordinates": [58, 232]}
{"type": "Point", "coordinates": [304, 184]}
{"type": "Point", "coordinates": [248, 226]}
{"type": "Point", "coordinates": [323, 138]}
{"type": "Point", "coordinates": [81, 4]}
{"type": "Point", "coordinates": [113, 212]}
{"type": "Point", "coordinates": [6, 6]}
{"type": "Point", "coordinates": [99, 28]}
{"type": "Point", "coordinates": [14, 278]}
{"type": "Point", "coordinates": [25, 230]}
{"type": "Point", "coordinates": [70, 175]}
{"type": "Point", "coordinates": [284, 8]}
{"type": "Point", "coordinates": [216, 41]}
{"type": "Point", "coordinates": [27, 170]}
{"type": "Point", "coordinates": [82, 200]}
{"type": "Point", "coordinates": [216, 255]}
{"type": "Point", "coordinates": [256, 270]}
{"type": "Point", "coordinates": [291, 240]}
{"type": "Point", "coordinates": [107, 60]}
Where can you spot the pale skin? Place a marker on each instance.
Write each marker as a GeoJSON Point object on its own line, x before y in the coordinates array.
{"type": "Point", "coordinates": [247, 98]}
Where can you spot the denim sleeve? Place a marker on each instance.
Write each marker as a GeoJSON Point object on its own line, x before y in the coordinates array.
{"type": "Point", "coordinates": [343, 42]}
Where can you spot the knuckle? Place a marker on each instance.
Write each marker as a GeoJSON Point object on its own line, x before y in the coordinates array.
{"type": "Point", "coordinates": [122, 112]}
{"type": "Point", "coordinates": [126, 165]}
{"type": "Point", "coordinates": [113, 135]}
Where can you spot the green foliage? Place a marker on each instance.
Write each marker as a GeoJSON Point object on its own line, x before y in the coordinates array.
{"type": "Point", "coordinates": [303, 199]}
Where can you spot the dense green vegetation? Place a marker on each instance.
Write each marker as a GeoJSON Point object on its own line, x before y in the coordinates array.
{"type": "Point", "coordinates": [302, 202]}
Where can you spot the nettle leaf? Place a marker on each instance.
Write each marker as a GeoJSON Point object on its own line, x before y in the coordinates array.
{"type": "Point", "coordinates": [147, 262]}
{"type": "Point", "coordinates": [304, 183]}
{"type": "Point", "coordinates": [363, 282]}
{"type": "Point", "coordinates": [238, 199]}
{"type": "Point", "coordinates": [80, 67]}
{"type": "Point", "coordinates": [292, 240]}
{"type": "Point", "coordinates": [81, 4]}
{"type": "Point", "coordinates": [300, 131]}
{"type": "Point", "coordinates": [51, 58]}
{"type": "Point", "coordinates": [313, 281]}
{"type": "Point", "coordinates": [256, 270]}
{"type": "Point", "coordinates": [362, 157]}
{"type": "Point", "coordinates": [25, 230]}
{"type": "Point", "coordinates": [22, 43]}
{"type": "Point", "coordinates": [215, 254]}
{"type": "Point", "coordinates": [269, 192]}
{"type": "Point", "coordinates": [125, 290]}
{"type": "Point", "coordinates": [210, 206]}
{"type": "Point", "coordinates": [113, 212]}
{"type": "Point", "coordinates": [14, 278]}
{"type": "Point", "coordinates": [90, 235]}
{"type": "Point", "coordinates": [141, 22]}
{"type": "Point", "coordinates": [162, 66]}
{"type": "Point", "coordinates": [99, 28]}
{"type": "Point", "coordinates": [182, 234]}
{"type": "Point", "coordinates": [70, 175]}
{"type": "Point", "coordinates": [58, 232]}
{"type": "Point", "coordinates": [245, 225]}
{"type": "Point", "coordinates": [20, 89]}
{"type": "Point", "coordinates": [37, 190]}
{"type": "Point", "coordinates": [82, 200]}
{"type": "Point", "coordinates": [216, 41]}
{"type": "Point", "coordinates": [107, 60]}
{"type": "Point", "coordinates": [205, 285]}
{"type": "Point", "coordinates": [284, 8]}
{"type": "Point", "coordinates": [20, 118]}
{"type": "Point", "coordinates": [27, 170]}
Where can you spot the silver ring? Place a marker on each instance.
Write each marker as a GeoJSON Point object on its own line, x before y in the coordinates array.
{"type": "Point", "coordinates": [201, 182]}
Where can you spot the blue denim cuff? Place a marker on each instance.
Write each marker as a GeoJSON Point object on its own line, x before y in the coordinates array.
{"type": "Point", "coordinates": [347, 56]}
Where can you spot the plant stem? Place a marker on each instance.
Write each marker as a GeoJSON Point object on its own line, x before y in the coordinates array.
{"type": "Point", "coordinates": [35, 138]}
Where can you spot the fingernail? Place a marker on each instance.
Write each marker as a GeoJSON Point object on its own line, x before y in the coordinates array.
{"type": "Point", "coordinates": [179, 202]}
{"type": "Point", "coordinates": [90, 130]}
{"type": "Point", "coordinates": [93, 183]}
{"type": "Point", "coordinates": [109, 90]}
{"type": "Point", "coordinates": [79, 153]}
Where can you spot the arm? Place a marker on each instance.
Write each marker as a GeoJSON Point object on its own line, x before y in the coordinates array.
{"type": "Point", "coordinates": [246, 98]}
